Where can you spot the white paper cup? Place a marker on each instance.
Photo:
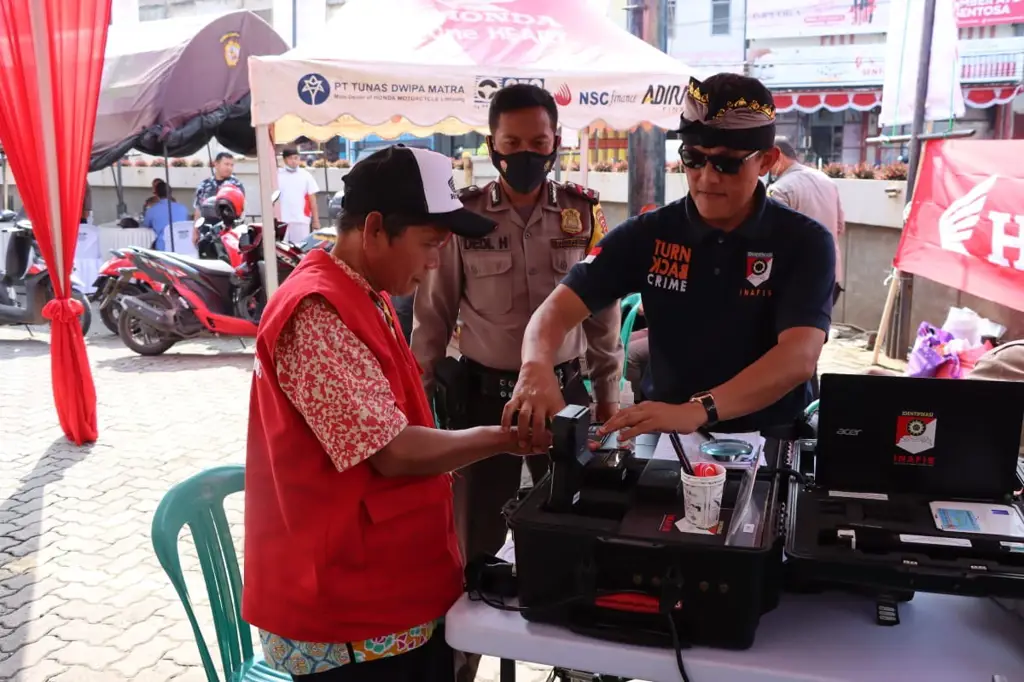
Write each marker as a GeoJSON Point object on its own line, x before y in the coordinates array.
{"type": "Point", "coordinates": [702, 497]}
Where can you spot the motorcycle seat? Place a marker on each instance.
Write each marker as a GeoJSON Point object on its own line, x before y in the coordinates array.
{"type": "Point", "coordinates": [207, 266]}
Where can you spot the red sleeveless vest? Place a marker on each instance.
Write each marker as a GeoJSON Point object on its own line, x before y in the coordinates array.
{"type": "Point", "coordinates": [339, 556]}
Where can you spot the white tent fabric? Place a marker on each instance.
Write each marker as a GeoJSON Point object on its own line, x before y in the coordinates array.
{"type": "Point", "coordinates": [431, 66]}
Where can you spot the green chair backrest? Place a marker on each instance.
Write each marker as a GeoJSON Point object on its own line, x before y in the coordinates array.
{"type": "Point", "coordinates": [630, 307]}
{"type": "Point", "coordinates": [198, 502]}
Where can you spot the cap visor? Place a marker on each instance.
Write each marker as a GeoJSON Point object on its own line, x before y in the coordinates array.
{"type": "Point", "coordinates": [464, 223]}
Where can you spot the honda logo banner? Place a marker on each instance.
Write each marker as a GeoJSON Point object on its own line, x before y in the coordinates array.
{"type": "Point", "coordinates": [965, 228]}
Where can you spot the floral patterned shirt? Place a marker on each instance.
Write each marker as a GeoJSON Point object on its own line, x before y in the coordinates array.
{"type": "Point", "coordinates": [339, 388]}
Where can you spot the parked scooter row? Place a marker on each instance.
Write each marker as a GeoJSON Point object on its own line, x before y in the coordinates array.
{"type": "Point", "coordinates": [191, 297]}
{"type": "Point", "coordinates": [25, 286]}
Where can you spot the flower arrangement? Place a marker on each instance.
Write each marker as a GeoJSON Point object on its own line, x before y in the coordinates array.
{"type": "Point", "coordinates": [834, 170]}
{"type": "Point", "coordinates": [342, 163]}
{"type": "Point", "coordinates": [158, 163]}
{"type": "Point", "coordinates": [570, 165]}
{"type": "Point", "coordinates": [179, 163]}
{"type": "Point", "coordinates": [321, 163]}
{"type": "Point", "coordinates": [620, 166]}
{"type": "Point", "coordinates": [894, 171]}
{"type": "Point", "coordinates": [603, 167]}
{"type": "Point", "coordinates": [196, 163]}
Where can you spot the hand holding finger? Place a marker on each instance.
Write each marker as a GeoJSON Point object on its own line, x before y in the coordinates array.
{"type": "Point", "coordinates": [622, 419]}
{"type": "Point", "coordinates": [508, 414]}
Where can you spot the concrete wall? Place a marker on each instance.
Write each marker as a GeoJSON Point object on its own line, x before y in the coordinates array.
{"type": "Point", "coordinates": [873, 209]}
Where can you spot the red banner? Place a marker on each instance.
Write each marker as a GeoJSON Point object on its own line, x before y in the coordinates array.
{"type": "Point", "coordinates": [966, 223]}
{"type": "Point", "coordinates": [988, 12]}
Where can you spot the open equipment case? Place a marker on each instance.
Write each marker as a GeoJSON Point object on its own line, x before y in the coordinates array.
{"type": "Point", "coordinates": [897, 462]}
{"type": "Point", "coordinates": [598, 551]}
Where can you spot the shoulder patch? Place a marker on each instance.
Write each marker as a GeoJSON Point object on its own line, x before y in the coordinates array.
{"type": "Point", "coordinates": [470, 192]}
{"type": "Point", "coordinates": [582, 192]}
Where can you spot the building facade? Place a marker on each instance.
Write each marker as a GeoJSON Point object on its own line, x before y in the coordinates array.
{"type": "Point", "coordinates": [825, 63]}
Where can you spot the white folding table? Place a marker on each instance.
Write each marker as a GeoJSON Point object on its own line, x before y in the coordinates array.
{"type": "Point", "coordinates": [819, 638]}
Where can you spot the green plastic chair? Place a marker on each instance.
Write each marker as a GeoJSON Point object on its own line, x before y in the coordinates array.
{"type": "Point", "coordinates": [811, 409]}
{"type": "Point", "coordinates": [198, 502]}
{"type": "Point", "coordinates": [630, 307]}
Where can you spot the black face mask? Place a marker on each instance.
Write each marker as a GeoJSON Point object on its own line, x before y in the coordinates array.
{"type": "Point", "coordinates": [524, 171]}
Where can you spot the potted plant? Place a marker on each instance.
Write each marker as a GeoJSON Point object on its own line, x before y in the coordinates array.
{"type": "Point", "coordinates": [834, 170]}
{"type": "Point", "coordinates": [862, 171]}
{"type": "Point", "coordinates": [179, 163]}
{"type": "Point", "coordinates": [893, 171]}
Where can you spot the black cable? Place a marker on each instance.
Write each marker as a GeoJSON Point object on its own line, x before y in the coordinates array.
{"type": "Point", "coordinates": [678, 648]}
{"type": "Point", "coordinates": [785, 471]}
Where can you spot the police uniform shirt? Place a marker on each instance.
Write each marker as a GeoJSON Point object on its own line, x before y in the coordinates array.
{"type": "Point", "coordinates": [496, 283]}
{"type": "Point", "coordinates": [715, 301]}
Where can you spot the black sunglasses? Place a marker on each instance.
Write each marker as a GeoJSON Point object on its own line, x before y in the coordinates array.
{"type": "Point", "coordinates": [728, 165]}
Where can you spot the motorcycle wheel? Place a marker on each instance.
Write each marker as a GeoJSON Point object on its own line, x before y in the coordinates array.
{"type": "Point", "coordinates": [138, 336]}
{"type": "Point", "coordinates": [110, 314]}
{"type": "Point", "coordinates": [87, 313]}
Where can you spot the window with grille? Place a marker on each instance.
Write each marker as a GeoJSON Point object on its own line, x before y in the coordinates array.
{"type": "Point", "coordinates": [720, 15]}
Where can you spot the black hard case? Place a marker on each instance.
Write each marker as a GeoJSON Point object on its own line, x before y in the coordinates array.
{"type": "Point", "coordinates": [936, 569]}
{"type": "Point", "coordinates": [564, 561]}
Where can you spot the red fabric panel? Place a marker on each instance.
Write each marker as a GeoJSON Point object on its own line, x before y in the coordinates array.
{"type": "Point", "coordinates": [76, 35]}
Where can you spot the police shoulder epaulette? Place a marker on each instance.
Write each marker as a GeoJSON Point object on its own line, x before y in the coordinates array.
{"type": "Point", "coordinates": [470, 192]}
{"type": "Point", "coordinates": [583, 192]}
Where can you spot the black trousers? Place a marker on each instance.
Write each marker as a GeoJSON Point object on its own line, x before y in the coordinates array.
{"type": "Point", "coordinates": [483, 488]}
{"type": "Point", "coordinates": [432, 662]}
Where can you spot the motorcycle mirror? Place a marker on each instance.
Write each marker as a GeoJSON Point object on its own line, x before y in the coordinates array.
{"type": "Point", "coordinates": [275, 196]}
{"type": "Point", "coordinates": [198, 223]}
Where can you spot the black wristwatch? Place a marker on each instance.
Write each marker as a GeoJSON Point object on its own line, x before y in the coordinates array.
{"type": "Point", "coordinates": [707, 401]}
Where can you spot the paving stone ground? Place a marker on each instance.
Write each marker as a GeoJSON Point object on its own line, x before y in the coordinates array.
{"type": "Point", "coordinates": [82, 597]}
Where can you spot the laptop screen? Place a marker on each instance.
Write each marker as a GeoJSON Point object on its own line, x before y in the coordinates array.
{"type": "Point", "coordinates": [943, 437]}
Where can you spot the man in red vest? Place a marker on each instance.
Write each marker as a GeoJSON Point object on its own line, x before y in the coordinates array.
{"type": "Point", "coordinates": [351, 557]}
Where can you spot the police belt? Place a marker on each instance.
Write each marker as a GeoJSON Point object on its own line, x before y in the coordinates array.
{"type": "Point", "coordinates": [498, 383]}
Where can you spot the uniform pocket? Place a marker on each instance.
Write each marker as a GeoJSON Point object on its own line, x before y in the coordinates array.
{"type": "Point", "coordinates": [419, 513]}
{"type": "Point", "coordinates": [486, 288]}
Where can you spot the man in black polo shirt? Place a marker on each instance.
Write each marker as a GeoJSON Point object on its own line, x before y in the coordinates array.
{"type": "Point", "coordinates": [737, 288]}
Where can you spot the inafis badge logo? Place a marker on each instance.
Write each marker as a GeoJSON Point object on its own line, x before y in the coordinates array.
{"type": "Point", "coordinates": [314, 89]}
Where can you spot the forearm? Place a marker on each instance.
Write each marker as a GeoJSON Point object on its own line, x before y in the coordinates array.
{"type": "Point", "coordinates": [423, 451]}
{"type": "Point", "coordinates": [765, 382]}
{"type": "Point", "coordinates": [314, 211]}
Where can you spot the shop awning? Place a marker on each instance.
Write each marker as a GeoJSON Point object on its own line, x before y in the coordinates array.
{"type": "Point", "coordinates": [806, 101]}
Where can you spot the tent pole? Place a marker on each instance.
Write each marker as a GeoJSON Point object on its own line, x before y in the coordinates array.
{"type": "Point", "coordinates": [38, 20]}
{"type": "Point", "coordinates": [7, 186]}
{"type": "Point", "coordinates": [122, 208]}
{"type": "Point", "coordinates": [167, 181]}
{"type": "Point", "coordinates": [209, 154]}
{"type": "Point", "coordinates": [327, 179]}
{"type": "Point", "coordinates": [267, 165]}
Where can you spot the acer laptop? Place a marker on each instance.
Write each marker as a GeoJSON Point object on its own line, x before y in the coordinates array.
{"type": "Point", "coordinates": [937, 437]}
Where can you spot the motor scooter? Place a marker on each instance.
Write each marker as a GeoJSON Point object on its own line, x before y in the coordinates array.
{"type": "Point", "coordinates": [200, 296]}
{"type": "Point", "coordinates": [26, 287]}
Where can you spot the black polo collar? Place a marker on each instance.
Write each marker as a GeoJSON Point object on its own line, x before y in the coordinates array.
{"type": "Point", "coordinates": [755, 226]}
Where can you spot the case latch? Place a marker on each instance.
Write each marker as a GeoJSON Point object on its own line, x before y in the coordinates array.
{"type": "Point", "coordinates": [887, 610]}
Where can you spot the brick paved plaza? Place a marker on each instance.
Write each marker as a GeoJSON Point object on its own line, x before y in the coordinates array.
{"type": "Point", "coordinates": [82, 597]}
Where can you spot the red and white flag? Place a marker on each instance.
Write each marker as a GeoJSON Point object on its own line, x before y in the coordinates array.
{"type": "Point", "coordinates": [966, 223]}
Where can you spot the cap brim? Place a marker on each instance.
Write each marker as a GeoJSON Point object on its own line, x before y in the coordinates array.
{"type": "Point", "coordinates": [464, 223]}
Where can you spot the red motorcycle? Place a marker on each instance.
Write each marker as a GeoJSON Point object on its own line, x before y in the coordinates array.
{"type": "Point", "coordinates": [200, 296]}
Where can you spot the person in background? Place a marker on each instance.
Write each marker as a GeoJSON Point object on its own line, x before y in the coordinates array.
{"type": "Point", "coordinates": [152, 198]}
{"type": "Point", "coordinates": [351, 557]}
{"type": "Point", "coordinates": [223, 173]}
{"type": "Point", "coordinates": [158, 216]}
{"type": "Point", "coordinates": [496, 282]}
{"type": "Point", "coordinates": [737, 289]}
{"type": "Point", "coordinates": [86, 204]}
{"type": "Point", "coordinates": [638, 356]}
{"type": "Point", "coordinates": [298, 197]}
{"type": "Point", "coordinates": [812, 193]}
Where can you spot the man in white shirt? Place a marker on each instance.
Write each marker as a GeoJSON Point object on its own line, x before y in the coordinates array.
{"type": "Point", "coordinates": [812, 193]}
{"type": "Point", "coordinates": [298, 197]}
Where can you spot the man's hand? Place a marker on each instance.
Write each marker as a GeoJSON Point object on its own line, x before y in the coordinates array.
{"type": "Point", "coordinates": [651, 417]}
{"type": "Point", "coordinates": [605, 411]}
{"type": "Point", "coordinates": [195, 237]}
{"type": "Point", "coordinates": [314, 225]}
{"type": "Point", "coordinates": [537, 397]}
{"type": "Point", "coordinates": [516, 446]}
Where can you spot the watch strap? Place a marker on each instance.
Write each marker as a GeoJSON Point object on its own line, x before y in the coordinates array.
{"type": "Point", "coordinates": [707, 401]}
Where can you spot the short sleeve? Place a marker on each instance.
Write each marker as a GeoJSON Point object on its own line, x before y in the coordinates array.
{"type": "Point", "coordinates": [336, 384]}
{"type": "Point", "coordinates": [613, 269]}
{"type": "Point", "coordinates": [311, 186]}
{"type": "Point", "coordinates": [779, 194]}
{"type": "Point", "coordinates": [804, 298]}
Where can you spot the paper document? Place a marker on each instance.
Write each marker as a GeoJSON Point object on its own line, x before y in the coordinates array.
{"type": "Point", "coordinates": [691, 446]}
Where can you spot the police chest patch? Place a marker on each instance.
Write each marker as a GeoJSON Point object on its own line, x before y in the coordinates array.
{"type": "Point", "coordinates": [570, 243]}
{"type": "Point", "coordinates": [572, 223]}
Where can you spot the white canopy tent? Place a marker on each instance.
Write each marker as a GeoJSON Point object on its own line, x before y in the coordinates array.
{"type": "Point", "coordinates": [431, 66]}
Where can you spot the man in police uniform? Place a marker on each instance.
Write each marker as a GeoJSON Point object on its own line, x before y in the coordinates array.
{"type": "Point", "coordinates": [496, 282]}
{"type": "Point", "coordinates": [737, 288]}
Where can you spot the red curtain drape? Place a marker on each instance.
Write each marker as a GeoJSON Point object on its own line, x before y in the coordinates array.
{"type": "Point", "coordinates": [46, 126]}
